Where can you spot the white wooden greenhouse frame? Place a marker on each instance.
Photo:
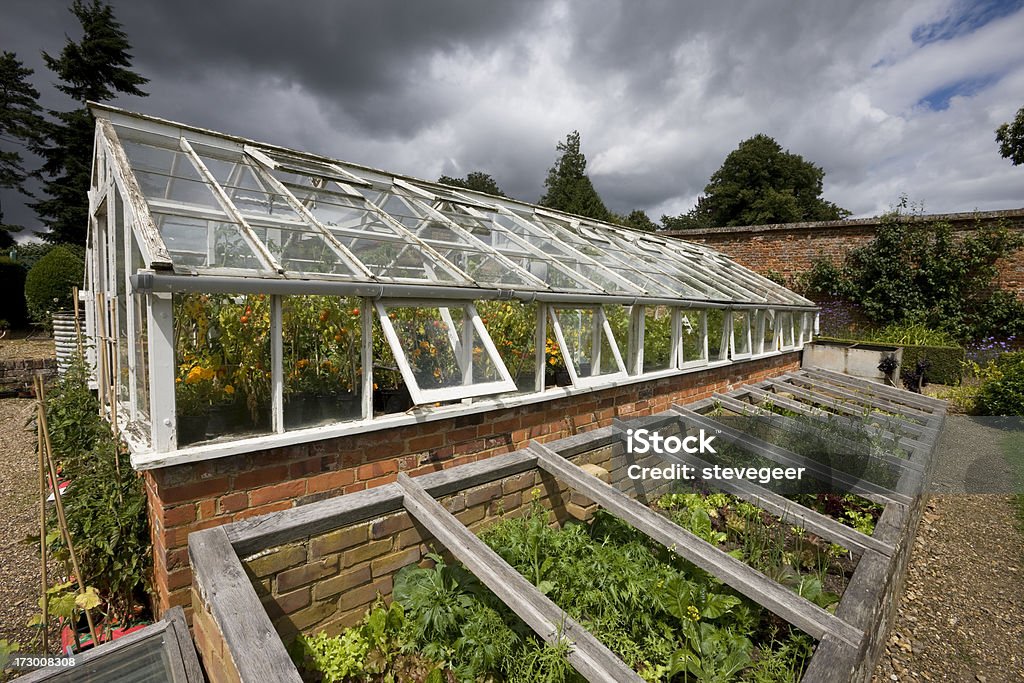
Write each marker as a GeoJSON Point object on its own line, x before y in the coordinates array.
{"type": "Point", "coordinates": [177, 210]}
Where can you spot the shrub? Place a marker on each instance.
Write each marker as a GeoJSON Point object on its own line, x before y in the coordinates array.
{"type": "Point", "coordinates": [12, 306]}
{"type": "Point", "coordinates": [919, 271]}
{"type": "Point", "coordinates": [48, 285]}
{"type": "Point", "coordinates": [1003, 391]}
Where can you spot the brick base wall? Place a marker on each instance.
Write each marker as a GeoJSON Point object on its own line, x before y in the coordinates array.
{"type": "Point", "coordinates": [194, 496]}
{"type": "Point", "coordinates": [16, 374]}
{"type": "Point", "coordinates": [792, 248]}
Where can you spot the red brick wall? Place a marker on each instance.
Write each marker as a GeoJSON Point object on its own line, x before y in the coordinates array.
{"type": "Point", "coordinates": [792, 248]}
{"type": "Point", "coordinates": [195, 496]}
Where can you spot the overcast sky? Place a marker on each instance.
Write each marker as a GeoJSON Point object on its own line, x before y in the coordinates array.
{"type": "Point", "coordinates": [888, 97]}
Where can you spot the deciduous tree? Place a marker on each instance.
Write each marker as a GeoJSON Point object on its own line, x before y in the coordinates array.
{"type": "Point", "coordinates": [1010, 137]}
{"type": "Point", "coordinates": [475, 180]}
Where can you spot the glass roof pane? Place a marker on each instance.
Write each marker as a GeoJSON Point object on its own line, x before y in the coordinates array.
{"type": "Point", "coordinates": [168, 174]}
{"type": "Point", "coordinates": [196, 243]}
{"type": "Point", "coordinates": [390, 259]}
{"type": "Point", "coordinates": [302, 251]}
{"type": "Point", "coordinates": [248, 192]}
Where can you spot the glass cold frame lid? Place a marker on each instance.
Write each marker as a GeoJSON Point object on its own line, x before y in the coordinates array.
{"type": "Point", "coordinates": [221, 206]}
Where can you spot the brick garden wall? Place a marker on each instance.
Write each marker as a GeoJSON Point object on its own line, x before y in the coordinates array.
{"type": "Point", "coordinates": [194, 496]}
{"type": "Point", "coordinates": [791, 248]}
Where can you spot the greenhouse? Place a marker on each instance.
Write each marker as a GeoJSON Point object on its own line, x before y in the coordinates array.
{"type": "Point", "coordinates": [243, 296]}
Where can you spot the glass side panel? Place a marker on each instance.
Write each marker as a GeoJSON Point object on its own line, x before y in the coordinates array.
{"type": "Point", "coordinates": [513, 327]}
{"type": "Point", "coordinates": [657, 338]}
{"type": "Point", "coordinates": [741, 333]}
{"type": "Point", "coordinates": [141, 343]}
{"type": "Point", "coordinates": [806, 327]}
{"type": "Point", "coordinates": [716, 333]}
{"type": "Point", "coordinates": [439, 350]}
{"type": "Point", "coordinates": [786, 325]}
{"type": "Point", "coordinates": [222, 366]}
{"type": "Point", "coordinates": [121, 254]}
{"type": "Point", "coordinates": [168, 174]}
{"type": "Point", "coordinates": [583, 341]}
{"type": "Point", "coordinates": [692, 323]}
{"type": "Point", "coordinates": [322, 362]}
{"type": "Point", "coordinates": [768, 330]}
{"type": "Point", "coordinates": [200, 243]}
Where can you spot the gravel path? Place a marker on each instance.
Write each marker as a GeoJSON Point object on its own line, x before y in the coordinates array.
{"type": "Point", "coordinates": [961, 617]}
{"type": "Point", "coordinates": [19, 519]}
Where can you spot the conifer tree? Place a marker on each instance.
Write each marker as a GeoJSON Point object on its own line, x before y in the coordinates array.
{"type": "Point", "coordinates": [568, 187]}
{"type": "Point", "coordinates": [94, 69]}
{"type": "Point", "coordinates": [20, 124]}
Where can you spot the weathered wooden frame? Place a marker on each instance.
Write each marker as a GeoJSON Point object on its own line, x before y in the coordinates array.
{"type": "Point", "coordinates": [850, 640]}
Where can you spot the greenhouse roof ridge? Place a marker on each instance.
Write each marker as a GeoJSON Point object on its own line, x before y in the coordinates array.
{"type": "Point", "coordinates": [248, 213]}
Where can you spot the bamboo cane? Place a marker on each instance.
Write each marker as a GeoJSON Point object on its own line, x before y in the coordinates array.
{"type": "Point", "coordinates": [78, 325]}
{"type": "Point", "coordinates": [42, 531]}
{"type": "Point", "coordinates": [61, 519]}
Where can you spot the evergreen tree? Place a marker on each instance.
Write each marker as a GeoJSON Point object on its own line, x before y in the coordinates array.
{"type": "Point", "coordinates": [1010, 137]}
{"type": "Point", "coordinates": [760, 183]}
{"type": "Point", "coordinates": [93, 69]}
{"type": "Point", "coordinates": [475, 180]}
{"type": "Point", "coordinates": [568, 187]}
{"type": "Point", "coordinates": [20, 123]}
{"type": "Point", "coordinates": [639, 220]}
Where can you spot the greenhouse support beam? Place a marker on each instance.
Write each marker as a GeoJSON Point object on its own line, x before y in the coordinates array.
{"type": "Point", "coordinates": [228, 284]}
{"type": "Point", "coordinates": [795, 609]}
{"type": "Point", "coordinates": [587, 654]}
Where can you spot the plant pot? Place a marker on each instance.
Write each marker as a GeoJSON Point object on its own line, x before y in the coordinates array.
{"type": "Point", "coordinates": [339, 407]}
{"type": "Point", "coordinates": [562, 378]}
{"type": "Point", "coordinates": [192, 428]}
{"type": "Point", "coordinates": [224, 418]}
{"type": "Point", "coordinates": [391, 400]}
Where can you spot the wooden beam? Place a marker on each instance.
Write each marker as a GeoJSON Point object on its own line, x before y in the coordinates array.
{"type": "Point", "coordinates": [926, 403]}
{"type": "Point", "coordinates": [760, 395]}
{"type": "Point", "coordinates": [249, 636]}
{"type": "Point", "coordinates": [587, 654]}
{"type": "Point", "coordinates": [798, 611]}
{"type": "Point", "coordinates": [789, 424]}
{"type": "Point", "coordinates": [875, 402]}
{"type": "Point", "coordinates": [788, 458]}
{"type": "Point", "coordinates": [911, 472]}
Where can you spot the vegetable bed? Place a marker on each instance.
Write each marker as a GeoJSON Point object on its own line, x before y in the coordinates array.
{"type": "Point", "coordinates": [665, 618]}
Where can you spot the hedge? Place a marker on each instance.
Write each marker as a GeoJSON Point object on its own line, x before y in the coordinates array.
{"type": "Point", "coordinates": [12, 304]}
{"type": "Point", "coordinates": [49, 283]}
{"type": "Point", "coordinates": [946, 362]}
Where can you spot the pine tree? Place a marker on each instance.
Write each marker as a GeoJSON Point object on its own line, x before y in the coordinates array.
{"type": "Point", "coordinates": [20, 124]}
{"type": "Point", "coordinates": [568, 187]}
{"type": "Point", "coordinates": [93, 69]}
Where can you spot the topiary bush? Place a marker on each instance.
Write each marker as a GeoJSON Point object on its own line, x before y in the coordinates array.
{"type": "Point", "coordinates": [1003, 391]}
{"type": "Point", "coordinates": [48, 285]}
{"type": "Point", "coordinates": [12, 282]}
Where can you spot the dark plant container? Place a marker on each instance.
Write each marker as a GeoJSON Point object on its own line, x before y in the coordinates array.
{"type": "Point", "coordinates": [192, 428]}
{"type": "Point", "coordinates": [391, 400]}
{"type": "Point", "coordinates": [338, 407]}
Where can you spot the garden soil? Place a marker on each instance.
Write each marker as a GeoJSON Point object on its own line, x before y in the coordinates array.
{"type": "Point", "coordinates": [961, 616]}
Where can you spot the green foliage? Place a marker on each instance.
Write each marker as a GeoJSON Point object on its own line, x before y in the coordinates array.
{"type": "Point", "coordinates": [12, 280]}
{"type": "Point", "coordinates": [568, 187]}
{"type": "Point", "coordinates": [7, 648]}
{"type": "Point", "coordinates": [945, 364]}
{"type": "Point", "coordinates": [918, 271]}
{"type": "Point", "coordinates": [20, 121]}
{"type": "Point", "coordinates": [475, 180]}
{"type": "Point", "coordinates": [1010, 137]}
{"type": "Point", "coordinates": [94, 69]}
{"type": "Point", "coordinates": [1003, 391]}
{"type": "Point", "coordinates": [760, 183]}
{"type": "Point", "coordinates": [105, 504]}
{"type": "Point", "coordinates": [48, 285]}
{"type": "Point", "coordinates": [638, 220]}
